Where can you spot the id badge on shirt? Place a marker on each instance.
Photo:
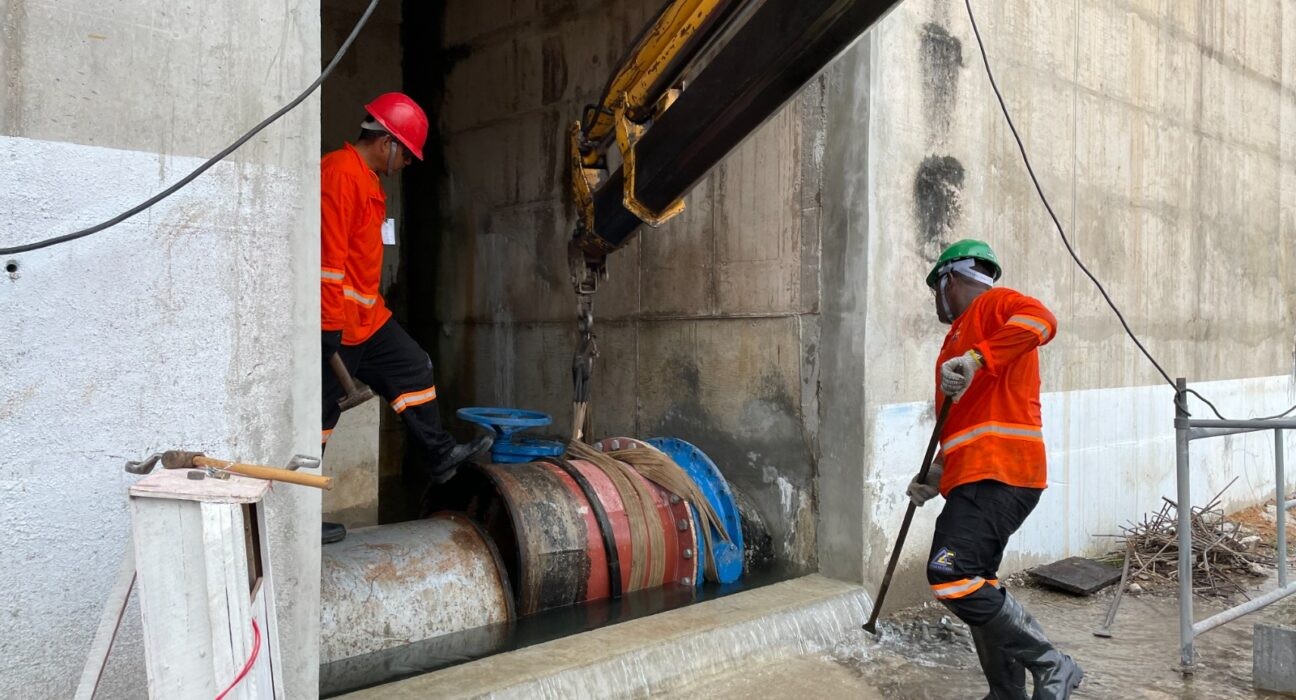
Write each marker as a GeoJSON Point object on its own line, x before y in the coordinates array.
{"type": "Point", "coordinates": [388, 232]}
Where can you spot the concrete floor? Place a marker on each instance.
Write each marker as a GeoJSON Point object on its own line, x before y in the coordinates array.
{"type": "Point", "coordinates": [920, 658]}
{"type": "Point", "coordinates": [801, 639]}
{"type": "Point", "coordinates": [657, 654]}
{"type": "Point", "coordinates": [795, 678]}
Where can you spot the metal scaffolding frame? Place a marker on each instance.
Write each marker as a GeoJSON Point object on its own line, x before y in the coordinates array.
{"type": "Point", "coordinates": [1188, 429]}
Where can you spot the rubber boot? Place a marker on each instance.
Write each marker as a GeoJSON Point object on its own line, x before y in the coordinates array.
{"type": "Point", "coordinates": [446, 467]}
{"type": "Point", "coordinates": [1007, 677]}
{"type": "Point", "coordinates": [1019, 637]}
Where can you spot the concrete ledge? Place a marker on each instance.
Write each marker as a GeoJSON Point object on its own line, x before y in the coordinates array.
{"type": "Point", "coordinates": [658, 653]}
{"type": "Point", "coordinates": [1274, 659]}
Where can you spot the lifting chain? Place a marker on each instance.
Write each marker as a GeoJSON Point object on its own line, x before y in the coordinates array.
{"type": "Point", "coordinates": [583, 362]}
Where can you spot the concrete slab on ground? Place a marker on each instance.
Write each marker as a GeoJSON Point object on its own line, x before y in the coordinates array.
{"type": "Point", "coordinates": [802, 639]}
{"type": "Point", "coordinates": [794, 678]}
{"type": "Point", "coordinates": [661, 653]}
{"type": "Point", "coordinates": [1274, 658]}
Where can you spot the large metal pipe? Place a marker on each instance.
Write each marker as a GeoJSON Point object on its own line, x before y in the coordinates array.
{"type": "Point", "coordinates": [391, 585]}
{"type": "Point", "coordinates": [550, 535]}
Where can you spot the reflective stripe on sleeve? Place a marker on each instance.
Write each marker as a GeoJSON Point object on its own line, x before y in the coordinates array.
{"type": "Point", "coordinates": [1038, 325]}
{"type": "Point", "coordinates": [363, 300]}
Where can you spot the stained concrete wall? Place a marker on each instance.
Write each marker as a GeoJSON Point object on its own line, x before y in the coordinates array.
{"type": "Point", "coordinates": [782, 322]}
{"type": "Point", "coordinates": [1165, 137]}
{"type": "Point", "coordinates": [707, 326]}
{"type": "Point", "coordinates": [192, 325]}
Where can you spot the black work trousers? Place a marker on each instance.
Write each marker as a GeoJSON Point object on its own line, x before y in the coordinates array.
{"type": "Point", "coordinates": [971, 534]}
{"type": "Point", "coordinates": [397, 369]}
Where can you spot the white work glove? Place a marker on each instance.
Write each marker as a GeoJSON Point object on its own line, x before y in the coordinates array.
{"type": "Point", "coordinates": [922, 491]}
{"type": "Point", "coordinates": [956, 374]}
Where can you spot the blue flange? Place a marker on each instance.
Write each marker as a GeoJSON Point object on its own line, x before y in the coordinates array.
{"type": "Point", "coordinates": [506, 423]}
{"type": "Point", "coordinates": [521, 450]}
{"type": "Point", "coordinates": [728, 555]}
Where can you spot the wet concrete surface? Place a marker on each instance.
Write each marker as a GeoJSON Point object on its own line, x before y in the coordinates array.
{"type": "Point", "coordinates": [924, 653]}
{"type": "Point", "coordinates": [771, 625]}
{"type": "Point", "coordinates": [797, 678]}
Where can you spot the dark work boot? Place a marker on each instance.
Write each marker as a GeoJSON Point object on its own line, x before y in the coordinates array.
{"type": "Point", "coordinates": [1007, 677]}
{"type": "Point", "coordinates": [333, 532]}
{"type": "Point", "coordinates": [1018, 636]}
{"type": "Point", "coordinates": [444, 469]}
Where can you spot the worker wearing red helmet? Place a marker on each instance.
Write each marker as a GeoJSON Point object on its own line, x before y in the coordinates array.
{"type": "Point", "coordinates": [992, 467]}
{"type": "Point", "coordinates": [355, 321]}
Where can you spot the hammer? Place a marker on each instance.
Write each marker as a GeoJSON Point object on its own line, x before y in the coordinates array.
{"type": "Point", "coordinates": [180, 459]}
{"type": "Point", "coordinates": [353, 396]}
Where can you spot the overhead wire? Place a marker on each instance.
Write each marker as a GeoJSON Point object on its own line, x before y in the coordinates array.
{"type": "Point", "coordinates": [206, 165]}
{"type": "Point", "coordinates": [1066, 242]}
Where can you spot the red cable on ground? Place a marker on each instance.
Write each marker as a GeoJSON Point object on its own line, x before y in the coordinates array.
{"type": "Point", "coordinates": [256, 649]}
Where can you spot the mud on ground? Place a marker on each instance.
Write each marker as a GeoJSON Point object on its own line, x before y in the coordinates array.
{"type": "Point", "coordinates": [925, 652]}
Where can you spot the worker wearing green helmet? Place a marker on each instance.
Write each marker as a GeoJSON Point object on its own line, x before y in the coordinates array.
{"type": "Point", "coordinates": [992, 465]}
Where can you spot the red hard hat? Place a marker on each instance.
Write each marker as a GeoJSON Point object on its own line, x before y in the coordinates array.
{"type": "Point", "coordinates": [402, 118]}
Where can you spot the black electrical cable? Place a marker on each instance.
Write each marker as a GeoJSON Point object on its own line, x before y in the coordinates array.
{"type": "Point", "coordinates": [337, 57]}
{"type": "Point", "coordinates": [1021, 148]}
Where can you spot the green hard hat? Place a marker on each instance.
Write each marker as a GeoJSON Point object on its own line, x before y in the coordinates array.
{"type": "Point", "coordinates": [966, 248]}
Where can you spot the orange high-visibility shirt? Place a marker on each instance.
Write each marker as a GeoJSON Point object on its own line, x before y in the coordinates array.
{"type": "Point", "coordinates": [352, 210]}
{"type": "Point", "coordinates": [996, 431]}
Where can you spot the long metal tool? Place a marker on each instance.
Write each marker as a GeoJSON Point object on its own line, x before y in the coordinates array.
{"type": "Point", "coordinates": [1105, 630]}
{"type": "Point", "coordinates": [871, 625]}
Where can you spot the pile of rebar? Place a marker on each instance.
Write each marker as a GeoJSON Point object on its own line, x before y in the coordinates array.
{"type": "Point", "coordinates": [1224, 559]}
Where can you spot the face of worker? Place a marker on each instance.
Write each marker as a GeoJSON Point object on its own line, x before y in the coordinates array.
{"type": "Point", "coordinates": [953, 295]}
{"type": "Point", "coordinates": [940, 298]}
{"type": "Point", "coordinates": [397, 155]}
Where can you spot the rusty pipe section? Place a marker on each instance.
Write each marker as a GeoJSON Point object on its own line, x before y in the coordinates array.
{"type": "Point", "coordinates": [551, 535]}
{"type": "Point", "coordinates": [392, 585]}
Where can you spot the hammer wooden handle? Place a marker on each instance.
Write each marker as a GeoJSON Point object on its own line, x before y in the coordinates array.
{"type": "Point", "coordinates": [267, 473]}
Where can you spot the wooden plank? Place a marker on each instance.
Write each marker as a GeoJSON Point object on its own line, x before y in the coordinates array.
{"type": "Point", "coordinates": [263, 608]}
{"type": "Point", "coordinates": [173, 598]}
{"type": "Point", "coordinates": [1076, 575]}
{"type": "Point", "coordinates": [176, 484]}
{"type": "Point", "coordinates": [109, 622]}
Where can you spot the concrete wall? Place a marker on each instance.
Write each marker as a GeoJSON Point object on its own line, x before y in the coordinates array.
{"type": "Point", "coordinates": [192, 325]}
{"type": "Point", "coordinates": [782, 322]}
{"type": "Point", "coordinates": [708, 325]}
{"type": "Point", "coordinates": [1165, 137]}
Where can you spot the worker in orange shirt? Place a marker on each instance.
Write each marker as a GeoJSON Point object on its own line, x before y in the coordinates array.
{"type": "Point", "coordinates": [355, 321]}
{"type": "Point", "coordinates": [991, 468]}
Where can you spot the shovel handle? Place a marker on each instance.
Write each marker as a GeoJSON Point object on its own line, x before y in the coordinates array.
{"type": "Point", "coordinates": [871, 625]}
{"type": "Point", "coordinates": [267, 473]}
